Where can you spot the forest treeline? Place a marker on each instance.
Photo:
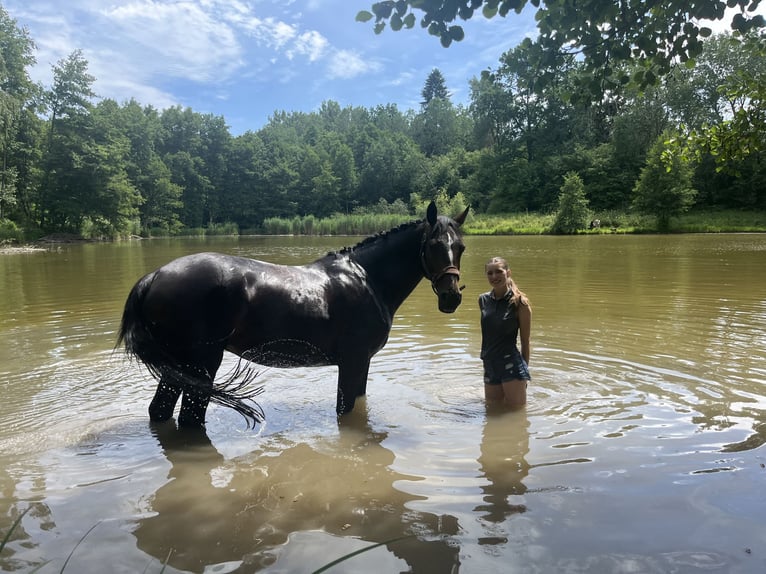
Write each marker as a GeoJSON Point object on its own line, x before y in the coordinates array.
{"type": "Point", "coordinates": [73, 162]}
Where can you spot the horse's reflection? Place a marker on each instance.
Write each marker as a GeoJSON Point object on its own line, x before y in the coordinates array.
{"type": "Point", "coordinates": [215, 511]}
{"type": "Point", "coordinates": [504, 445]}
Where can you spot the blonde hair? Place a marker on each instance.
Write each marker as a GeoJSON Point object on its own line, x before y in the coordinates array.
{"type": "Point", "coordinates": [518, 297]}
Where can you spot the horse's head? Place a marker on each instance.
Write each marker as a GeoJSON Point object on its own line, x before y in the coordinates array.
{"type": "Point", "coordinates": [440, 254]}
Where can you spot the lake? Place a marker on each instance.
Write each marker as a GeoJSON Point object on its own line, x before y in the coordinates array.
{"type": "Point", "coordinates": [641, 448]}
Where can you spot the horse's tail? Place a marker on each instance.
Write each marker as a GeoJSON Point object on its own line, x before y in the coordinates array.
{"type": "Point", "coordinates": [134, 333]}
{"type": "Point", "coordinates": [140, 343]}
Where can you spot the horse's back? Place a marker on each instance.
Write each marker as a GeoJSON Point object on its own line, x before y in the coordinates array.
{"type": "Point", "coordinates": [277, 315]}
{"type": "Point", "coordinates": [194, 300]}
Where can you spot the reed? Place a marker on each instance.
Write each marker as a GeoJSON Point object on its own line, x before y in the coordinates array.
{"type": "Point", "coordinates": [227, 228]}
{"type": "Point", "coordinates": [10, 232]}
{"type": "Point", "coordinates": [345, 557]}
{"type": "Point", "coordinates": [525, 223]}
{"type": "Point", "coordinates": [339, 224]}
{"type": "Point", "coordinates": [18, 520]}
{"type": "Point", "coordinates": [8, 535]}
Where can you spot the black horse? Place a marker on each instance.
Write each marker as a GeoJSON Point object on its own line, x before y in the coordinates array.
{"type": "Point", "coordinates": [338, 310]}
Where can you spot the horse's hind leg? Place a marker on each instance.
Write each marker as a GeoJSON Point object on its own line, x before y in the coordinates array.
{"type": "Point", "coordinates": [194, 403]}
{"type": "Point", "coordinates": [164, 401]}
{"type": "Point", "coordinates": [193, 408]}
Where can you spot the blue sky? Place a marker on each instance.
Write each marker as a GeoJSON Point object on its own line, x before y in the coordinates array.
{"type": "Point", "coordinates": [244, 60]}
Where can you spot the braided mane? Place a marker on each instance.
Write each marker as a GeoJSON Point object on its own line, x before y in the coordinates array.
{"type": "Point", "coordinates": [376, 237]}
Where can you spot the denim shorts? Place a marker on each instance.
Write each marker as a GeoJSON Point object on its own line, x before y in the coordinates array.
{"type": "Point", "coordinates": [511, 367]}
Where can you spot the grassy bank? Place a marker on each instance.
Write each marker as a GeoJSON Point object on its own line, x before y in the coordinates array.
{"type": "Point", "coordinates": [722, 221]}
{"type": "Point", "coordinates": [524, 223]}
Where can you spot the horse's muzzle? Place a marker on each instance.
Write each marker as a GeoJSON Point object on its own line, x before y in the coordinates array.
{"type": "Point", "coordinates": [449, 301]}
{"type": "Point", "coordinates": [447, 289]}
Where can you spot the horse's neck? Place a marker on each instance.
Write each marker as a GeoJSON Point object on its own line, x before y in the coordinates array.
{"type": "Point", "coordinates": [393, 265]}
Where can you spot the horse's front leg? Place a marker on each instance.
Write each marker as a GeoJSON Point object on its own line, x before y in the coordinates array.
{"type": "Point", "coordinates": [352, 383]}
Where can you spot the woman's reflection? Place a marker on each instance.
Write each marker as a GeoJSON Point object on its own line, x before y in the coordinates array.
{"type": "Point", "coordinates": [504, 444]}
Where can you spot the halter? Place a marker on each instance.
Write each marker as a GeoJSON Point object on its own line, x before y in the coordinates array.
{"type": "Point", "coordinates": [436, 277]}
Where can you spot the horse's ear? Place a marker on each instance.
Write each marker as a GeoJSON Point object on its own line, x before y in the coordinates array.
{"type": "Point", "coordinates": [460, 219]}
{"type": "Point", "coordinates": [431, 213]}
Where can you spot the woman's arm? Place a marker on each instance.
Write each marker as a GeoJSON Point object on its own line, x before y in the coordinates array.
{"type": "Point", "coordinates": [525, 329]}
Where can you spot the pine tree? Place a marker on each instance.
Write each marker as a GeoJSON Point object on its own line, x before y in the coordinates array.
{"type": "Point", "coordinates": [434, 88]}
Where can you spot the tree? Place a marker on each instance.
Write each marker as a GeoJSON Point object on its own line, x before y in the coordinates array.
{"type": "Point", "coordinates": [181, 147]}
{"type": "Point", "coordinates": [388, 168]}
{"type": "Point", "coordinates": [435, 127]}
{"type": "Point", "coordinates": [664, 187]}
{"type": "Point", "coordinates": [162, 199]}
{"type": "Point", "coordinates": [16, 94]}
{"type": "Point", "coordinates": [528, 131]}
{"type": "Point", "coordinates": [572, 214]}
{"type": "Point", "coordinates": [739, 65]}
{"type": "Point", "coordinates": [605, 33]}
{"type": "Point", "coordinates": [70, 148]}
{"type": "Point", "coordinates": [244, 196]}
{"type": "Point", "coordinates": [434, 88]}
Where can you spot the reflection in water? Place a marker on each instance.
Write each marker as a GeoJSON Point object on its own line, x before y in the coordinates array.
{"type": "Point", "coordinates": [504, 445]}
{"type": "Point", "coordinates": [20, 551]}
{"type": "Point", "coordinates": [243, 513]}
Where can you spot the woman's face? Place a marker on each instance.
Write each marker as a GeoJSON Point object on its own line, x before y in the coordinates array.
{"type": "Point", "coordinates": [497, 275]}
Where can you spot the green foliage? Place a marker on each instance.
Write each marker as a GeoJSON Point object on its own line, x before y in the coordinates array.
{"type": "Point", "coordinates": [664, 187]}
{"type": "Point", "coordinates": [434, 88]}
{"type": "Point", "coordinates": [434, 129]}
{"type": "Point", "coordinates": [508, 224]}
{"type": "Point", "coordinates": [605, 33]}
{"type": "Point", "coordinates": [10, 232]}
{"type": "Point", "coordinates": [383, 207]}
{"type": "Point", "coordinates": [573, 211]}
{"type": "Point", "coordinates": [338, 224]}
{"type": "Point", "coordinates": [227, 228]}
{"type": "Point", "coordinates": [116, 169]}
{"type": "Point", "coordinates": [445, 205]}
{"type": "Point", "coordinates": [736, 73]}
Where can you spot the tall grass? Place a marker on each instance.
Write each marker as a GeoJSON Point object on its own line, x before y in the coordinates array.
{"type": "Point", "coordinates": [227, 228]}
{"type": "Point", "coordinates": [352, 224]}
{"type": "Point", "coordinates": [722, 221]}
{"type": "Point", "coordinates": [508, 224]}
{"type": "Point", "coordinates": [10, 232]}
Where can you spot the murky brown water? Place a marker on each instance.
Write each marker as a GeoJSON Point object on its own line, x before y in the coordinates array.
{"type": "Point", "coordinates": [641, 449]}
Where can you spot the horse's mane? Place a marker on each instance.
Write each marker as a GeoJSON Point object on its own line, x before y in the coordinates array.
{"type": "Point", "coordinates": [376, 237]}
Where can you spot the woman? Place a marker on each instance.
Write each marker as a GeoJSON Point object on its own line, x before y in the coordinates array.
{"type": "Point", "coordinates": [505, 318]}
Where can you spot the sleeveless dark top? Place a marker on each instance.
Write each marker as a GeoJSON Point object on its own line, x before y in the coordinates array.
{"type": "Point", "coordinates": [499, 326]}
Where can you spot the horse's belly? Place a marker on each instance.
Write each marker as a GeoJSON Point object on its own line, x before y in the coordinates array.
{"type": "Point", "coordinates": [285, 353]}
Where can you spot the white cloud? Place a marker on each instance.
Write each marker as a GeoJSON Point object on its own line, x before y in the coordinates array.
{"type": "Point", "coordinates": [346, 64]}
{"type": "Point", "coordinates": [179, 39]}
{"type": "Point", "coordinates": [311, 44]}
{"type": "Point", "coordinates": [403, 79]}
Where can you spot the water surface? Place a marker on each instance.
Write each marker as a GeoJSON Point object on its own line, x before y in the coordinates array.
{"type": "Point", "coordinates": [641, 449]}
